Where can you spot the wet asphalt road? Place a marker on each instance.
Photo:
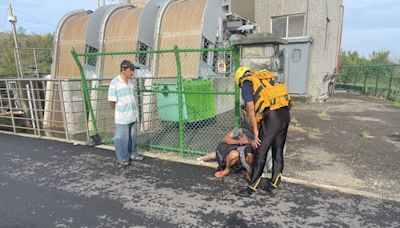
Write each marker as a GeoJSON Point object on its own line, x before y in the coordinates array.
{"type": "Point", "coordinates": [53, 184]}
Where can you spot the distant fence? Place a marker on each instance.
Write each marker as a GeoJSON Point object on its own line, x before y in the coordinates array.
{"type": "Point", "coordinates": [377, 80]}
{"type": "Point", "coordinates": [34, 61]}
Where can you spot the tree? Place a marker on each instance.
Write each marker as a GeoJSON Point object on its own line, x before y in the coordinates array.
{"type": "Point", "coordinates": [352, 58]}
{"type": "Point", "coordinates": [380, 58]}
{"type": "Point", "coordinates": [7, 58]}
{"type": "Point", "coordinates": [378, 63]}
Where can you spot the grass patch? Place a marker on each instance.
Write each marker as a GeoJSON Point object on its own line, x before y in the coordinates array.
{"type": "Point", "coordinates": [294, 122]}
{"type": "Point", "coordinates": [395, 102]}
{"type": "Point", "coordinates": [314, 133]}
{"type": "Point", "coordinates": [366, 135]}
{"type": "Point", "coordinates": [295, 126]}
{"type": "Point", "coordinates": [324, 116]}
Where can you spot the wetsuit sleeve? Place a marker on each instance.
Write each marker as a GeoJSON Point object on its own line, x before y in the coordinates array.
{"type": "Point", "coordinates": [247, 92]}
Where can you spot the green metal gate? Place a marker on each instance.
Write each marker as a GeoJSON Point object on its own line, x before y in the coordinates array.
{"type": "Point", "coordinates": [181, 108]}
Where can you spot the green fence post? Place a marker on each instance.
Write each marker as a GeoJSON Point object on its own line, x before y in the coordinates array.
{"type": "Point", "coordinates": [390, 86]}
{"type": "Point", "coordinates": [236, 60]}
{"type": "Point", "coordinates": [376, 85]}
{"type": "Point", "coordinates": [355, 79]}
{"type": "Point", "coordinates": [180, 99]}
{"type": "Point", "coordinates": [365, 84]}
{"type": "Point", "coordinates": [85, 90]}
{"type": "Point", "coordinates": [345, 77]}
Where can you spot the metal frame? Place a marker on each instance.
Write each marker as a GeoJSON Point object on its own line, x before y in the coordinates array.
{"type": "Point", "coordinates": [29, 119]}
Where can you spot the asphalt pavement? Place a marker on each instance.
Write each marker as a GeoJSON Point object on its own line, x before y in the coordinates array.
{"type": "Point", "coordinates": [47, 183]}
{"type": "Point", "coordinates": [351, 141]}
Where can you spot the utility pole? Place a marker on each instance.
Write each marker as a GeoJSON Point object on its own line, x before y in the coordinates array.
{"type": "Point", "coordinates": [101, 3]}
{"type": "Point", "coordinates": [13, 20]}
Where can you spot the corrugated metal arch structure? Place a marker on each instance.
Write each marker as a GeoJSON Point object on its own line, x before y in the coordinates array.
{"type": "Point", "coordinates": [95, 38]}
{"type": "Point", "coordinates": [184, 24]}
{"type": "Point", "coordinates": [160, 25]}
{"type": "Point", "coordinates": [71, 33]}
{"type": "Point", "coordinates": [128, 29]}
{"type": "Point", "coordinates": [148, 22]}
{"type": "Point", "coordinates": [120, 34]}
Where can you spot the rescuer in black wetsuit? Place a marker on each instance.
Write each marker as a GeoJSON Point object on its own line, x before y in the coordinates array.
{"type": "Point", "coordinates": [271, 131]}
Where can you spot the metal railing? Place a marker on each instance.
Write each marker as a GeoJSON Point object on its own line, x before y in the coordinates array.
{"type": "Point", "coordinates": [43, 107]}
{"type": "Point", "coordinates": [183, 109]}
{"type": "Point", "coordinates": [377, 80]}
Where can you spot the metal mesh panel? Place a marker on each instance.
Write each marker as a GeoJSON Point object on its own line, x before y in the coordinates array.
{"type": "Point", "coordinates": [205, 134]}
{"type": "Point", "coordinates": [184, 105]}
{"type": "Point", "coordinates": [143, 58]}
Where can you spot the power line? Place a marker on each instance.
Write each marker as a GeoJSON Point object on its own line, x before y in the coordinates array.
{"type": "Point", "coordinates": [29, 16]}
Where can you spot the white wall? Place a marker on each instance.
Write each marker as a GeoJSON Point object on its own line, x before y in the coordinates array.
{"type": "Point", "coordinates": [325, 35]}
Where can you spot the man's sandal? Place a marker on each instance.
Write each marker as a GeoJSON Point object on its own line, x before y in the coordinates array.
{"type": "Point", "coordinates": [220, 174]}
{"type": "Point", "coordinates": [138, 158]}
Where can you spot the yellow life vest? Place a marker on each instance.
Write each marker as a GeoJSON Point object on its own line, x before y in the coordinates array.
{"type": "Point", "coordinates": [267, 92]}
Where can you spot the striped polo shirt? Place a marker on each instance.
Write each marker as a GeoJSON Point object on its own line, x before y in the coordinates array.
{"type": "Point", "coordinates": [126, 110]}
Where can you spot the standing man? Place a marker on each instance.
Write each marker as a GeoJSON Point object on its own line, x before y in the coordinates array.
{"type": "Point", "coordinates": [121, 98]}
{"type": "Point", "coordinates": [267, 107]}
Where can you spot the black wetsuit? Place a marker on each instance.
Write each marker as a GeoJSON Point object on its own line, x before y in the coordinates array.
{"type": "Point", "coordinates": [272, 133]}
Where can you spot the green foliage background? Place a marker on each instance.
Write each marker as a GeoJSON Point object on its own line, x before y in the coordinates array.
{"type": "Point", "coordinates": [350, 60]}
{"type": "Point", "coordinates": [7, 59]}
{"type": "Point", "coordinates": [377, 64]}
{"type": "Point", "coordinates": [353, 58]}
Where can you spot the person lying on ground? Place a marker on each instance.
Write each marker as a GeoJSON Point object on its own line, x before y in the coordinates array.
{"type": "Point", "coordinates": [234, 152]}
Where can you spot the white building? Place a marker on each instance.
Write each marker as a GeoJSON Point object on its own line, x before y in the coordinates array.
{"type": "Point", "coordinates": [313, 23]}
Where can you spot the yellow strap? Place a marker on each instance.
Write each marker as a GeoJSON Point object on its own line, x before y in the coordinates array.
{"type": "Point", "coordinates": [276, 180]}
{"type": "Point", "coordinates": [254, 188]}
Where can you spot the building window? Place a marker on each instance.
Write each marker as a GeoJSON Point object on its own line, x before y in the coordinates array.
{"type": "Point", "coordinates": [288, 26]}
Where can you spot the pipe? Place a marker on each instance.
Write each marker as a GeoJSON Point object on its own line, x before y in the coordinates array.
{"type": "Point", "coordinates": [340, 40]}
{"type": "Point", "coordinates": [308, 8]}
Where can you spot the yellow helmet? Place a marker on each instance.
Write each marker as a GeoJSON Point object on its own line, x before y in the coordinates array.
{"type": "Point", "coordinates": [239, 74]}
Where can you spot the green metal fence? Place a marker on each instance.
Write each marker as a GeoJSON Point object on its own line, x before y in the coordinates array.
{"type": "Point", "coordinates": [378, 80]}
{"type": "Point", "coordinates": [187, 97]}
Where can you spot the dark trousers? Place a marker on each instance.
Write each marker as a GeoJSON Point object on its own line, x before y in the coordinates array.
{"type": "Point", "coordinates": [273, 130]}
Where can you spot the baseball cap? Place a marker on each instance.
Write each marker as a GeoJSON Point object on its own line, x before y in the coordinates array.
{"type": "Point", "coordinates": [127, 64]}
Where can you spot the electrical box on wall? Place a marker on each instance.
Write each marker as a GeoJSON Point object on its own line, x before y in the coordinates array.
{"type": "Point", "coordinates": [261, 51]}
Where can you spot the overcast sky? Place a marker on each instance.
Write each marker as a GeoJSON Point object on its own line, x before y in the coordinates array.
{"type": "Point", "coordinates": [368, 25]}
